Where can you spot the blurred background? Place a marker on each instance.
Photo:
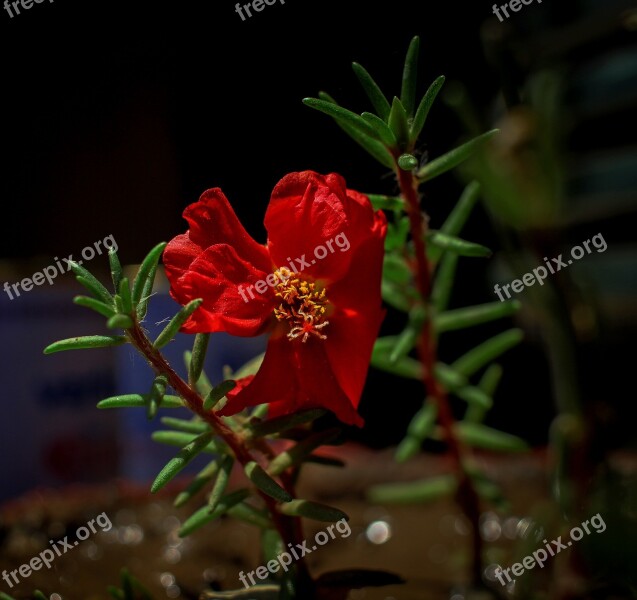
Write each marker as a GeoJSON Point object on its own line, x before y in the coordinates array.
{"type": "Point", "coordinates": [117, 117]}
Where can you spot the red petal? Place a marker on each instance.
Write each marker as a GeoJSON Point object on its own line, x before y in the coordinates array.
{"type": "Point", "coordinates": [222, 279]}
{"type": "Point", "coordinates": [358, 314]}
{"type": "Point", "coordinates": [212, 221]}
{"type": "Point", "coordinates": [306, 211]}
{"type": "Point", "coordinates": [293, 377]}
{"type": "Point", "coordinates": [217, 241]}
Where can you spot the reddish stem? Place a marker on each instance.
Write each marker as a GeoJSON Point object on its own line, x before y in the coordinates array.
{"type": "Point", "coordinates": [289, 528]}
{"type": "Point", "coordinates": [427, 350]}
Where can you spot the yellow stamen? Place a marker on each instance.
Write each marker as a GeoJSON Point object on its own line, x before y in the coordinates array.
{"type": "Point", "coordinates": [303, 305]}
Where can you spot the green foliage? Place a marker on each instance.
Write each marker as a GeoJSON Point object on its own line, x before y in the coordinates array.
{"type": "Point", "coordinates": [104, 309]}
{"type": "Point", "coordinates": [313, 510]}
{"type": "Point", "coordinates": [177, 464]}
{"type": "Point", "coordinates": [424, 107]}
{"type": "Point", "coordinates": [202, 478]}
{"type": "Point", "coordinates": [399, 124]}
{"type": "Point", "coordinates": [281, 424]}
{"type": "Point", "coordinates": [454, 157]}
{"type": "Point", "coordinates": [374, 93]}
{"type": "Point", "coordinates": [171, 330]}
{"type": "Point", "coordinates": [85, 342]}
{"type": "Point", "coordinates": [205, 515]}
{"type": "Point", "coordinates": [462, 318]}
{"type": "Point", "coordinates": [415, 491]}
{"type": "Point", "coordinates": [297, 454]}
{"type": "Point", "coordinates": [374, 147]}
{"type": "Point", "coordinates": [198, 357]}
{"type": "Point", "coordinates": [397, 127]}
{"type": "Point", "coordinates": [221, 483]}
{"type": "Point", "coordinates": [410, 77]}
{"type": "Point", "coordinates": [265, 483]}
{"type": "Point", "coordinates": [217, 393]}
{"type": "Point", "coordinates": [481, 436]}
{"type": "Point", "coordinates": [90, 283]}
{"type": "Point", "coordinates": [139, 401]}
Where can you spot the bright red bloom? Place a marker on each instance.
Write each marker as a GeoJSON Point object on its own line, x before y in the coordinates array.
{"type": "Point", "coordinates": [323, 320]}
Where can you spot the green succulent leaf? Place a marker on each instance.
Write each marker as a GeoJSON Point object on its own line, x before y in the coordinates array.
{"type": "Point", "coordinates": [221, 483]}
{"type": "Point", "coordinates": [454, 157]}
{"type": "Point", "coordinates": [249, 514]}
{"type": "Point", "coordinates": [405, 343]}
{"type": "Point", "coordinates": [90, 283]}
{"type": "Point", "coordinates": [398, 122]}
{"type": "Point", "coordinates": [404, 367]}
{"type": "Point", "coordinates": [204, 515]}
{"type": "Point", "coordinates": [102, 308]}
{"type": "Point", "coordinates": [413, 492]}
{"type": "Point", "coordinates": [409, 336]}
{"type": "Point", "coordinates": [342, 114]}
{"type": "Point", "coordinates": [370, 144]}
{"type": "Point", "coordinates": [488, 351]}
{"type": "Point", "coordinates": [139, 401]}
{"type": "Point", "coordinates": [120, 322]}
{"type": "Point", "coordinates": [179, 439]}
{"type": "Point", "coordinates": [124, 293]}
{"type": "Point", "coordinates": [172, 329]}
{"type": "Point", "coordinates": [192, 426]}
{"type": "Point", "coordinates": [116, 268]}
{"type": "Point", "coordinates": [217, 393]}
{"type": "Point", "coordinates": [410, 77]}
{"type": "Point", "coordinates": [396, 269]}
{"type": "Point", "coordinates": [88, 341]}
{"type": "Point", "coordinates": [250, 368]}
{"type": "Point", "coordinates": [381, 202]}
{"type": "Point", "coordinates": [157, 391]}
{"type": "Point", "coordinates": [280, 424]}
{"type": "Point", "coordinates": [397, 234]}
{"type": "Point", "coordinates": [396, 296]}
{"type": "Point", "coordinates": [265, 483]}
{"type": "Point", "coordinates": [198, 357]}
{"type": "Point", "coordinates": [179, 462]}
{"type": "Point", "coordinates": [374, 93]}
{"type": "Point", "coordinates": [462, 318]}
{"type": "Point", "coordinates": [206, 475]}
{"type": "Point", "coordinates": [384, 133]}
{"type": "Point", "coordinates": [420, 428]}
{"type": "Point", "coordinates": [457, 217]}
{"type": "Point", "coordinates": [295, 455]}
{"type": "Point", "coordinates": [490, 380]}
{"type": "Point", "coordinates": [313, 510]}
{"type": "Point", "coordinates": [271, 545]}
{"type": "Point", "coordinates": [443, 281]}
{"type": "Point", "coordinates": [456, 245]}
{"type": "Point", "coordinates": [481, 436]}
{"type": "Point", "coordinates": [424, 107]}
{"type": "Point", "coordinates": [143, 284]}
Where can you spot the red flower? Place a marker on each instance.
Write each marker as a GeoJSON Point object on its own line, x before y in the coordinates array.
{"type": "Point", "coordinates": [315, 287]}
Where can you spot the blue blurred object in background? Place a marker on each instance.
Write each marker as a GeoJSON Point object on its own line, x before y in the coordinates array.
{"type": "Point", "coordinates": [52, 433]}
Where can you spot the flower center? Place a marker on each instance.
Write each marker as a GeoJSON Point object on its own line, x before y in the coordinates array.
{"type": "Point", "coordinates": [303, 306]}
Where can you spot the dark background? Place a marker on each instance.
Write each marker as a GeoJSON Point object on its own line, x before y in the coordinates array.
{"type": "Point", "coordinates": [118, 115]}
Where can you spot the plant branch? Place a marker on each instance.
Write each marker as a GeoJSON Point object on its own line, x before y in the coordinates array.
{"type": "Point", "coordinates": [427, 350]}
{"type": "Point", "coordinates": [289, 528]}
